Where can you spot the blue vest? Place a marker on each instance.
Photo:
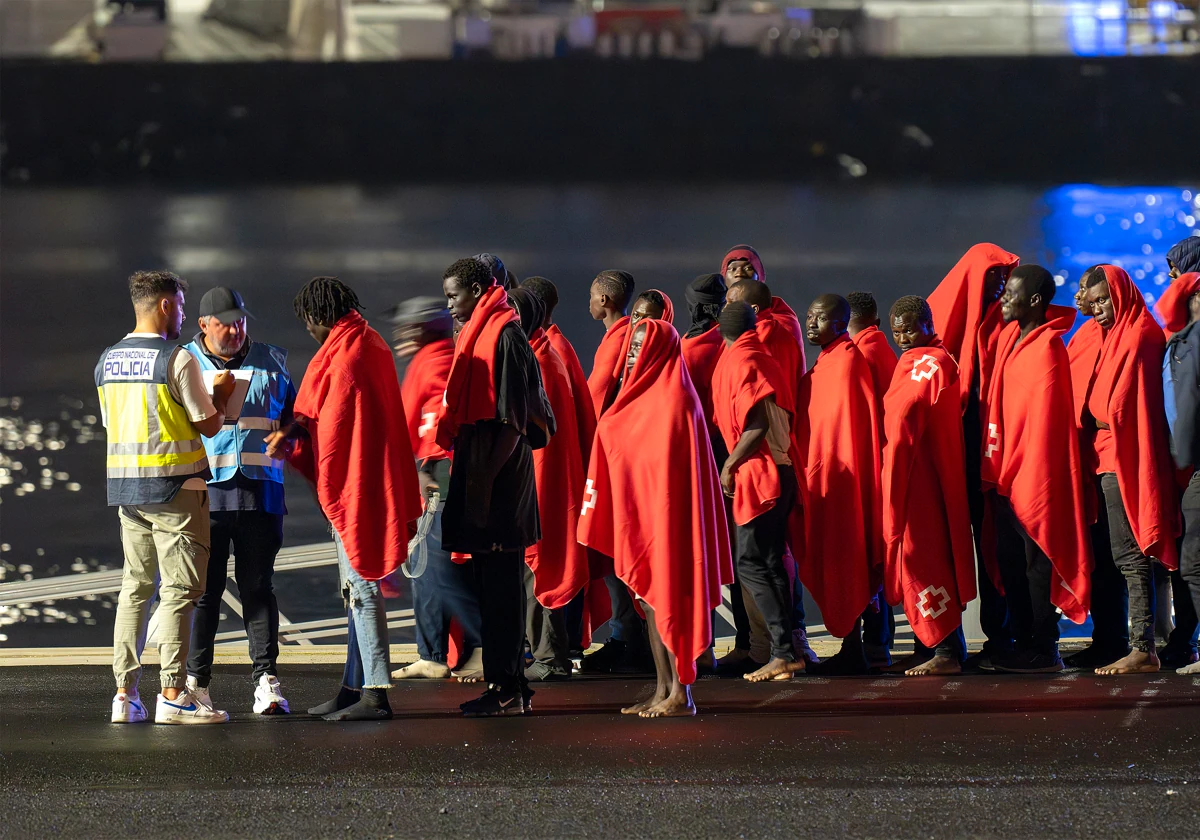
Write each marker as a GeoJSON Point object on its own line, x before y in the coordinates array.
{"type": "Point", "coordinates": [153, 447]}
{"type": "Point", "coordinates": [241, 444]}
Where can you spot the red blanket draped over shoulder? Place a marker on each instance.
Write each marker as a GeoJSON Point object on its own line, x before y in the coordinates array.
{"type": "Point", "coordinates": [471, 385]}
{"type": "Point", "coordinates": [585, 412]}
{"type": "Point", "coordinates": [607, 364]}
{"type": "Point", "coordinates": [1031, 453]}
{"type": "Point", "coordinates": [559, 563]}
{"type": "Point", "coordinates": [930, 566]}
{"type": "Point", "coordinates": [1128, 381]}
{"type": "Point", "coordinates": [837, 432]}
{"type": "Point", "coordinates": [873, 344]}
{"type": "Point", "coordinates": [1172, 305]}
{"type": "Point", "coordinates": [779, 331]}
{"type": "Point", "coordinates": [745, 376]}
{"type": "Point", "coordinates": [358, 456]}
{"type": "Point", "coordinates": [701, 355]}
{"type": "Point", "coordinates": [653, 501]}
{"type": "Point", "coordinates": [967, 331]}
{"type": "Point", "coordinates": [423, 388]}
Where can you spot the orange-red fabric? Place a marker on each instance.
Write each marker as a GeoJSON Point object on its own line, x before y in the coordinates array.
{"type": "Point", "coordinates": [1128, 380]}
{"type": "Point", "coordinates": [1172, 305]}
{"type": "Point", "coordinates": [585, 413]}
{"type": "Point", "coordinates": [607, 365]}
{"type": "Point", "coordinates": [873, 344]}
{"type": "Point", "coordinates": [422, 390]}
{"type": "Point", "coordinates": [745, 252]}
{"type": "Point", "coordinates": [930, 556]}
{"type": "Point", "coordinates": [778, 330]}
{"type": "Point", "coordinates": [967, 330]}
{"type": "Point", "coordinates": [837, 433]}
{"type": "Point", "coordinates": [1082, 352]}
{"type": "Point", "coordinates": [471, 385]}
{"type": "Point", "coordinates": [785, 317]}
{"type": "Point", "coordinates": [701, 355]}
{"type": "Point", "coordinates": [669, 308]}
{"type": "Point", "coordinates": [1031, 453]}
{"type": "Point", "coordinates": [559, 563]}
{"type": "Point", "coordinates": [357, 454]}
{"type": "Point", "coordinates": [745, 376]}
{"type": "Point", "coordinates": [653, 500]}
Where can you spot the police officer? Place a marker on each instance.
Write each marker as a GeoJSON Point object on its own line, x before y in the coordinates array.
{"type": "Point", "coordinates": [245, 493]}
{"type": "Point", "coordinates": [156, 407]}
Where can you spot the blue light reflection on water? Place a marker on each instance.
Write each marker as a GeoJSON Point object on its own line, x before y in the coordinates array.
{"type": "Point", "coordinates": [1131, 227]}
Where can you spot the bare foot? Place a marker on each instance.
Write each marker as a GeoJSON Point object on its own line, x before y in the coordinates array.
{"type": "Point", "coordinates": [937, 666]}
{"type": "Point", "coordinates": [675, 705]}
{"type": "Point", "coordinates": [907, 663]}
{"type": "Point", "coordinates": [776, 669]}
{"type": "Point", "coordinates": [1137, 662]}
{"type": "Point", "coordinates": [638, 708]}
{"type": "Point", "coordinates": [474, 677]}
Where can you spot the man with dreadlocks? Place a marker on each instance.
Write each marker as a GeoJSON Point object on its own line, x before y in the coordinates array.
{"type": "Point", "coordinates": [495, 414]}
{"type": "Point", "coordinates": [349, 439]}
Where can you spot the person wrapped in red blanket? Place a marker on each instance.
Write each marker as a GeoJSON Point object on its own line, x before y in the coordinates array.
{"type": "Point", "coordinates": [1126, 422]}
{"type": "Point", "coordinates": [930, 558]}
{"type": "Point", "coordinates": [663, 524]}
{"type": "Point", "coordinates": [358, 455]}
{"type": "Point", "coordinates": [1031, 464]}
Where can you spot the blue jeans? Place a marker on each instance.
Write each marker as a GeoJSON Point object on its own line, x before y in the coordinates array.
{"type": "Point", "coordinates": [367, 620]}
{"type": "Point", "coordinates": [446, 590]}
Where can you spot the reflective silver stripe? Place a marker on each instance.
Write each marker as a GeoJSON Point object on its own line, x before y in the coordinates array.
{"type": "Point", "coordinates": [170, 447]}
{"type": "Point", "coordinates": [158, 472]}
{"type": "Point", "coordinates": [258, 459]}
{"type": "Point", "coordinates": [263, 423]}
{"type": "Point", "coordinates": [228, 459]}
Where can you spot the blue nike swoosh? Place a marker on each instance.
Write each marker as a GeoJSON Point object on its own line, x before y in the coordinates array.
{"type": "Point", "coordinates": [190, 707]}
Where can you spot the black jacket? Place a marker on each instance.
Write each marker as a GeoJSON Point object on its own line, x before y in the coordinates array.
{"type": "Point", "coordinates": [1183, 351]}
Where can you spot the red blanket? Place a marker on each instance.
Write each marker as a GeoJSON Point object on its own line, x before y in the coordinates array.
{"type": "Point", "coordinates": [969, 331]}
{"type": "Point", "coordinates": [1031, 453]}
{"type": "Point", "coordinates": [357, 455]}
{"type": "Point", "coordinates": [1172, 306]}
{"type": "Point", "coordinates": [668, 309]}
{"type": "Point", "coordinates": [471, 386]}
{"type": "Point", "coordinates": [581, 397]}
{"type": "Point", "coordinates": [701, 355]}
{"type": "Point", "coordinates": [653, 501]}
{"type": "Point", "coordinates": [778, 331]}
{"type": "Point", "coordinates": [873, 344]}
{"type": "Point", "coordinates": [744, 377]}
{"type": "Point", "coordinates": [423, 388]}
{"type": "Point", "coordinates": [930, 566]}
{"type": "Point", "coordinates": [607, 365]}
{"type": "Point", "coordinates": [558, 561]}
{"type": "Point", "coordinates": [1128, 379]}
{"type": "Point", "coordinates": [837, 432]}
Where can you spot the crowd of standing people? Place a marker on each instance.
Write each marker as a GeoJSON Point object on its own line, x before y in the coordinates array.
{"type": "Point", "coordinates": [987, 459]}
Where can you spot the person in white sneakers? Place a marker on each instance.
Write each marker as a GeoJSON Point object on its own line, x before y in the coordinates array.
{"type": "Point", "coordinates": [246, 503]}
{"type": "Point", "coordinates": [155, 408]}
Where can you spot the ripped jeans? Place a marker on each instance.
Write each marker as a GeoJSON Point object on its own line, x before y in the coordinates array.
{"type": "Point", "coordinates": [367, 621]}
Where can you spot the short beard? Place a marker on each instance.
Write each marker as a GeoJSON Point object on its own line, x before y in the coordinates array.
{"type": "Point", "coordinates": [224, 349]}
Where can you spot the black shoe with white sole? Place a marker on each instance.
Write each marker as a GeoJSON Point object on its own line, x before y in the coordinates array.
{"type": "Point", "coordinates": [495, 703]}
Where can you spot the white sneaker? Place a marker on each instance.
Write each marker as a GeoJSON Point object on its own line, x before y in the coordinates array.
{"type": "Point", "coordinates": [422, 669]}
{"type": "Point", "coordinates": [127, 708]}
{"type": "Point", "coordinates": [201, 694]}
{"type": "Point", "coordinates": [268, 697]}
{"type": "Point", "coordinates": [186, 709]}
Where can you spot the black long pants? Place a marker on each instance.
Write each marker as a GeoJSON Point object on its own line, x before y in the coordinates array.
{"type": "Point", "coordinates": [760, 546]}
{"type": "Point", "coordinates": [1026, 572]}
{"type": "Point", "coordinates": [993, 611]}
{"type": "Point", "coordinates": [500, 584]}
{"type": "Point", "coordinates": [953, 646]}
{"type": "Point", "coordinates": [1135, 567]}
{"type": "Point", "coordinates": [256, 537]}
{"type": "Point", "coordinates": [546, 630]}
{"type": "Point", "coordinates": [1188, 608]}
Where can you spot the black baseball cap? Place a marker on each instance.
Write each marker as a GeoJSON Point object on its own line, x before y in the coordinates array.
{"type": "Point", "coordinates": [224, 304]}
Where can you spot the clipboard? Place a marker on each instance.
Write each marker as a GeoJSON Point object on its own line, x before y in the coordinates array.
{"type": "Point", "coordinates": [241, 387]}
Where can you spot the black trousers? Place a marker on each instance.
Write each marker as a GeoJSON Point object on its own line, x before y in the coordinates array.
{"type": "Point", "coordinates": [256, 537]}
{"type": "Point", "coordinates": [1026, 572]}
{"type": "Point", "coordinates": [1134, 566]}
{"type": "Point", "coordinates": [546, 630]}
{"type": "Point", "coordinates": [993, 610]}
{"type": "Point", "coordinates": [500, 584]}
{"type": "Point", "coordinates": [760, 546]}
{"type": "Point", "coordinates": [1187, 603]}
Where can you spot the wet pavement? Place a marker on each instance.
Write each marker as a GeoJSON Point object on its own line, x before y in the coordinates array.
{"type": "Point", "coordinates": [1071, 756]}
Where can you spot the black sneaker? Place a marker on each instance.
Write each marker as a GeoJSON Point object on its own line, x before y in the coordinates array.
{"type": "Point", "coordinates": [495, 703]}
{"type": "Point", "coordinates": [982, 661]}
{"type": "Point", "coordinates": [1177, 657]}
{"type": "Point", "coordinates": [603, 660]}
{"type": "Point", "coordinates": [1028, 662]}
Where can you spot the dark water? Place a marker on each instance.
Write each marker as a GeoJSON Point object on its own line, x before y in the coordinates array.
{"type": "Point", "coordinates": [67, 253]}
